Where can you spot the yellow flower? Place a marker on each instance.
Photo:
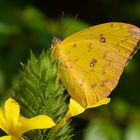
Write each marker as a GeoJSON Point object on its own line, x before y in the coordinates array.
{"type": "Point", "coordinates": [15, 125]}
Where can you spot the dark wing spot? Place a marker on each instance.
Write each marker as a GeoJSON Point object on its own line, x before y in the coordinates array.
{"type": "Point", "coordinates": [104, 71]}
{"type": "Point", "coordinates": [74, 45]}
{"type": "Point", "coordinates": [89, 47]}
{"type": "Point", "coordinates": [93, 85]}
{"type": "Point", "coordinates": [112, 25]}
{"type": "Point", "coordinates": [122, 26]}
{"type": "Point", "coordinates": [93, 62]}
{"type": "Point", "coordinates": [68, 66]}
{"type": "Point", "coordinates": [102, 84]}
{"type": "Point", "coordinates": [81, 84]}
{"type": "Point", "coordinates": [75, 60]}
{"type": "Point", "coordinates": [102, 38]}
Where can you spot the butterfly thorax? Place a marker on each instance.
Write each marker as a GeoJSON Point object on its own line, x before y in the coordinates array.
{"type": "Point", "coordinates": [57, 52]}
{"type": "Point", "coordinates": [55, 49]}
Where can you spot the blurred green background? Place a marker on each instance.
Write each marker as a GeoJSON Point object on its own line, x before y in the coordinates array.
{"type": "Point", "coordinates": [31, 25]}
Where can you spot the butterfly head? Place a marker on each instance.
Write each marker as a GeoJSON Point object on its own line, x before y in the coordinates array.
{"type": "Point", "coordinates": [55, 43]}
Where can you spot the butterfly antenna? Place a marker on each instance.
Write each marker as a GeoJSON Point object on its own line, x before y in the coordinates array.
{"type": "Point", "coordinates": [62, 18]}
{"type": "Point", "coordinates": [60, 23]}
{"type": "Point", "coordinates": [68, 26]}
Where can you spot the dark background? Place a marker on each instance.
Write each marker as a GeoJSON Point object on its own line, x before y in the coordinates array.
{"type": "Point", "coordinates": [93, 11]}
{"type": "Point", "coordinates": [26, 25]}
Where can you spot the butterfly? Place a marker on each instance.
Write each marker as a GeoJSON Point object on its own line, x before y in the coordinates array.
{"type": "Point", "coordinates": [92, 60]}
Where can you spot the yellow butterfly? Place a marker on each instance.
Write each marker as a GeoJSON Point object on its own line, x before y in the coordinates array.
{"type": "Point", "coordinates": [92, 60]}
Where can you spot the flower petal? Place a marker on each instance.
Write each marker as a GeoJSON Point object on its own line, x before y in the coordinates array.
{"type": "Point", "coordinates": [6, 138]}
{"type": "Point", "coordinates": [74, 109]}
{"type": "Point", "coordinates": [102, 102]}
{"type": "Point", "coordinates": [12, 111]}
{"type": "Point", "coordinates": [3, 123]}
{"type": "Point", "coordinates": [38, 122]}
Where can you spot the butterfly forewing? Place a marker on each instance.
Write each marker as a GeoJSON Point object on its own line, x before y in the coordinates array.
{"type": "Point", "coordinates": [92, 60]}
